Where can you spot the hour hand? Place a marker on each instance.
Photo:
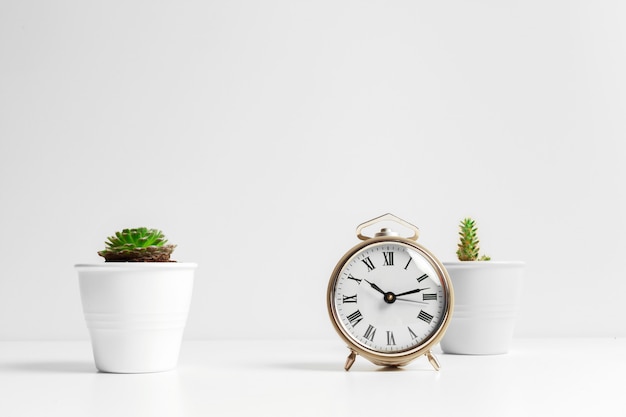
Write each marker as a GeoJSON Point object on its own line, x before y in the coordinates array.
{"type": "Point", "coordinates": [376, 287]}
{"type": "Point", "coordinates": [411, 292]}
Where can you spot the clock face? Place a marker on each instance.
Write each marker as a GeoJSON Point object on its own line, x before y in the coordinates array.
{"type": "Point", "coordinates": [389, 298]}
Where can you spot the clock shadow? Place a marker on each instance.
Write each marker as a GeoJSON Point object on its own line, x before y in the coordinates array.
{"type": "Point", "coordinates": [338, 367]}
{"type": "Point", "coordinates": [390, 369]}
{"type": "Point", "coordinates": [308, 366]}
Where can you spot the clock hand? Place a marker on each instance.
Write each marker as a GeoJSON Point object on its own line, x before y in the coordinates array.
{"type": "Point", "coordinates": [376, 287]}
{"type": "Point", "coordinates": [411, 301]}
{"type": "Point", "coordinates": [411, 292]}
{"type": "Point", "coordinates": [389, 297]}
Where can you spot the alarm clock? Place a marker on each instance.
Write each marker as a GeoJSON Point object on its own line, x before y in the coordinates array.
{"type": "Point", "coordinates": [389, 298]}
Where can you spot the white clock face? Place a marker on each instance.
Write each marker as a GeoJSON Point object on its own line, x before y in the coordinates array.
{"type": "Point", "coordinates": [389, 297]}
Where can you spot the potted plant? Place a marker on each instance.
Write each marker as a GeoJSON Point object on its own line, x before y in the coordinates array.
{"type": "Point", "coordinates": [136, 303]}
{"type": "Point", "coordinates": [487, 295]}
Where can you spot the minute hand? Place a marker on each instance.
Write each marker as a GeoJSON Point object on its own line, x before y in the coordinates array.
{"type": "Point", "coordinates": [411, 292]}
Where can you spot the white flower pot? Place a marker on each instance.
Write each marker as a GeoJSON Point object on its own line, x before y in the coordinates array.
{"type": "Point", "coordinates": [136, 313]}
{"type": "Point", "coordinates": [486, 301]}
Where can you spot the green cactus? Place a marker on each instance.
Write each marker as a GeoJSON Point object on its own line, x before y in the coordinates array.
{"type": "Point", "coordinates": [468, 246]}
{"type": "Point", "coordinates": [137, 245]}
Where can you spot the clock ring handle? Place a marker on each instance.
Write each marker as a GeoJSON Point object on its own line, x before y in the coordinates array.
{"type": "Point", "coordinates": [386, 217]}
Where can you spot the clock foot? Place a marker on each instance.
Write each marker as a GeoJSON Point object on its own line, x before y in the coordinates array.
{"type": "Point", "coordinates": [433, 360]}
{"type": "Point", "coordinates": [350, 360]}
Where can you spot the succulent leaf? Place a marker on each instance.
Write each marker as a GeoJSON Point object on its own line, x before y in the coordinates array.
{"type": "Point", "coordinates": [468, 247]}
{"type": "Point", "coordinates": [137, 245]}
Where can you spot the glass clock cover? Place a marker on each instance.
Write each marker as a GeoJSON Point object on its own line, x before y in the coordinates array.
{"type": "Point", "coordinates": [389, 298]}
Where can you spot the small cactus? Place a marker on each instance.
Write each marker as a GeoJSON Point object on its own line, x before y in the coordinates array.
{"type": "Point", "coordinates": [468, 246]}
{"type": "Point", "coordinates": [137, 245]}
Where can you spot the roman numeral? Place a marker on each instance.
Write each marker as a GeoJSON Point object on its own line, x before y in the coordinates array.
{"type": "Point", "coordinates": [425, 316]}
{"type": "Point", "coordinates": [349, 298]}
{"type": "Point", "coordinates": [367, 261]}
{"type": "Point", "coordinates": [370, 332]}
{"type": "Point", "coordinates": [388, 258]}
{"type": "Point", "coordinates": [355, 279]}
{"type": "Point", "coordinates": [390, 338]}
{"type": "Point", "coordinates": [413, 335]}
{"type": "Point", "coordinates": [355, 318]}
{"type": "Point", "coordinates": [422, 278]}
{"type": "Point", "coordinates": [408, 263]}
{"type": "Point", "coordinates": [429, 297]}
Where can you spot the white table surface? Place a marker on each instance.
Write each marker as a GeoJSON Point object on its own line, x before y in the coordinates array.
{"type": "Point", "coordinates": [539, 377]}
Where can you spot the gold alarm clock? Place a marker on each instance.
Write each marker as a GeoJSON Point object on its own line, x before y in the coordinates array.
{"type": "Point", "coordinates": [389, 298]}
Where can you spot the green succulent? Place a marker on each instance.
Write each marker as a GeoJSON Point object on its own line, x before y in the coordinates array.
{"type": "Point", "coordinates": [468, 247]}
{"type": "Point", "coordinates": [137, 245]}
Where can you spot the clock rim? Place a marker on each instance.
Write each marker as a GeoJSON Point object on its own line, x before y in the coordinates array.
{"type": "Point", "coordinates": [392, 358]}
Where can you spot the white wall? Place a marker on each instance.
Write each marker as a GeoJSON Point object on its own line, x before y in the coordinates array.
{"type": "Point", "coordinates": [257, 135]}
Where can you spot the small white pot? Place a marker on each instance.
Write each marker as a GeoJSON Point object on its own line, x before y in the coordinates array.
{"type": "Point", "coordinates": [136, 313]}
{"type": "Point", "coordinates": [486, 301]}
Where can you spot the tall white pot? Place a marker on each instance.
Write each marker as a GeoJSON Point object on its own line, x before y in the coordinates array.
{"type": "Point", "coordinates": [486, 301]}
{"type": "Point", "coordinates": [136, 313]}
